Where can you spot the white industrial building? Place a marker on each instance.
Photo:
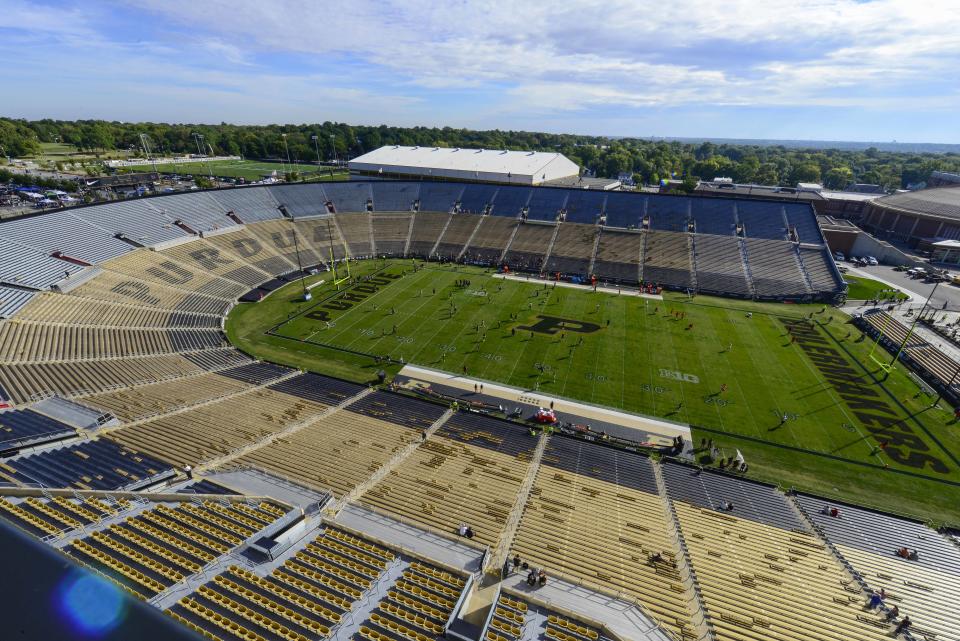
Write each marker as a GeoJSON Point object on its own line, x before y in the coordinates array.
{"type": "Point", "coordinates": [478, 165]}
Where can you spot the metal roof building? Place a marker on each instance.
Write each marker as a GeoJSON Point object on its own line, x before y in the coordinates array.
{"type": "Point", "coordinates": [478, 165]}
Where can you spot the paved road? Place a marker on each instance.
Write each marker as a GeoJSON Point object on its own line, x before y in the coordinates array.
{"type": "Point", "coordinates": [946, 292]}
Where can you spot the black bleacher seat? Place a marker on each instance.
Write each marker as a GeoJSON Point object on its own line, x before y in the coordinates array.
{"type": "Point", "coordinates": [322, 389]}
{"type": "Point", "coordinates": [603, 463]}
{"type": "Point", "coordinates": [802, 218]}
{"type": "Point", "coordinates": [395, 408]}
{"type": "Point", "coordinates": [491, 433]}
{"type": "Point", "coordinates": [439, 197]}
{"type": "Point", "coordinates": [882, 534]}
{"type": "Point", "coordinates": [762, 219]}
{"type": "Point", "coordinates": [348, 196]}
{"type": "Point", "coordinates": [394, 196]}
{"type": "Point", "coordinates": [301, 200]}
{"type": "Point", "coordinates": [475, 198]}
{"type": "Point", "coordinates": [510, 200]}
{"type": "Point", "coordinates": [100, 465]}
{"type": "Point", "coordinates": [19, 427]}
{"type": "Point", "coordinates": [754, 501]}
{"type": "Point", "coordinates": [545, 203]}
{"type": "Point", "coordinates": [255, 373]}
{"type": "Point", "coordinates": [585, 206]}
{"type": "Point", "coordinates": [714, 216]}
{"type": "Point", "coordinates": [217, 359]}
{"type": "Point", "coordinates": [623, 210]}
{"type": "Point", "coordinates": [668, 214]}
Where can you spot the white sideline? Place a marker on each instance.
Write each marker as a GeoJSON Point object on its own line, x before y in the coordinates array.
{"type": "Point", "coordinates": [600, 288]}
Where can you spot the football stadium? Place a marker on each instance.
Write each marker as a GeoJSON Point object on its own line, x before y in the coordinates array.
{"type": "Point", "coordinates": [412, 409]}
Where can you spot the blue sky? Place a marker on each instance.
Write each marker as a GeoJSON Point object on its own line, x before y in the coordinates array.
{"type": "Point", "coordinates": [803, 69]}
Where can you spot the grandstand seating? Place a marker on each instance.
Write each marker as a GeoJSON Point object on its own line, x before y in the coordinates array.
{"type": "Point", "coordinates": [623, 210]}
{"type": "Point", "coordinates": [19, 428]}
{"type": "Point", "coordinates": [458, 232]}
{"type": "Point", "coordinates": [56, 516]}
{"type": "Point", "coordinates": [618, 255]}
{"type": "Point", "coordinates": [469, 471]}
{"type": "Point", "coordinates": [136, 220]}
{"type": "Point", "coordinates": [286, 239]}
{"type": "Point", "coordinates": [759, 582]}
{"type": "Point", "coordinates": [250, 204]}
{"type": "Point", "coordinates": [211, 430]}
{"type": "Point", "coordinates": [714, 216]}
{"type": "Point", "coordinates": [119, 288]}
{"type": "Point", "coordinates": [12, 300]}
{"type": "Point", "coordinates": [245, 247]}
{"type": "Point", "coordinates": [545, 203]}
{"type": "Point", "coordinates": [23, 381]}
{"type": "Point", "coordinates": [300, 200]}
{"type": "Point", "coordinates": [510, 201]}
{"type": "Point", "coordinates": [348, 196]}
{"type": "Point", "coordinates": [490, 239]}
{"type": "Point", "coordinates": [754, 501]}
{"type": "Point", "coordinates": [198, 211]}
{"type": "Point", "coordinates": [92, 465]}
{"type": "Point", "coordinates": [64, 232]}
{"type": "Point", "coordinates": [668, 214]}
{"type": "Point", "coordinates": [305, 598]}
{"type": "Point", "coordinates": [667, 259]}
{"type": "Point", "coordinates": [475, 198]}
{"type": "Point", "coordinates": [774, 268]}
{"type": "Point", "coordinates": [427, 227]}
{"type": "Point", "coordinates": [55, 308]}
{"type": "Point", "coordinates": [394, 196]}
{"type": "Point", "coordinates": [340, 451]}
{"type": "Point", "coordinates": [204, 486]}
{"type": "Point", "coordinates": [357, 233]}
{"type": "Point", "coordinates": [322, 234]}
{"type": "Point", "coordinates": [155, 267]}
{"type": "Point", "coordinates": [26, 267]}
{"type": "Point", "coordinates": [819, 266]}
{"type": "Point", "coordinates": [214, 261]}
{"type": "Point", "coordinates": [572, 249]}
{"type": "Point", "coordinates": [584, 206]}
{"type": "Point", "coordinates": [439, 197]}
{"type": "Point", "coordinates": [26, 341]}
{"type": "Point", "coordinates": [416, 607]}
{"type": "Point", "coordinates": [594, 515]}
{"type": "Point", "coordinates": [150, 552]}
{"type": "Point", "coordinates": [807, 229]}
{"type": "Point", "coordinates": [314, 387]}
{"type": "Point", "coordinates": [390, 233]}
{"type": "Point", "coordinates": [762, 219]}
{"type": "Point", "coordinates": [529, 247]}
{"type": "Point", "coordinates": [514, 618]}
{"type": "Point", "coordinates": [718, 269]}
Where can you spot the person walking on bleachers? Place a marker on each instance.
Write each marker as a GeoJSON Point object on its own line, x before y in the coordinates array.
{"type": "Point", "coordinates": [876, 600]}
{"type": "Point", "coordinates": [892, 613]}
{"type": "Point", "coordinates": [516, 562]}
{"type": "Point", "coordinates": [903, 626]}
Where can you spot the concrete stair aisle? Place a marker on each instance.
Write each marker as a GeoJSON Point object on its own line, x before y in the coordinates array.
{"type": "Point", "coordinates": [466, 245]}
{"type": "Point", "coordinates": [433, 250]}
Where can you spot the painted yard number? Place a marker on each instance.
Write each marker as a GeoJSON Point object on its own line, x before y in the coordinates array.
{"type": "Point", "coordinates": [679, 376]}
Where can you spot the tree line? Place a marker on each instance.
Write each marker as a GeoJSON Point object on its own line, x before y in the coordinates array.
{"type": "Point", "coordinates": [647, 161]}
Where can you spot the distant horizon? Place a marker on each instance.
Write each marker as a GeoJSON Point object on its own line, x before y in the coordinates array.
{"type": "Point", "coordinates": [794, 70]}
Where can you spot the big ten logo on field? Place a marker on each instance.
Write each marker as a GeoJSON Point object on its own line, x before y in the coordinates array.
{"type": "Point", "coordinates": [350, 297]}
{"type": "Point", "coordinates": [552, 325]}
{"type": "Point", "coordinates": [679, 376]}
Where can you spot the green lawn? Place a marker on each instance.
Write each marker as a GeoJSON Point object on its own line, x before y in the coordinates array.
{"type": "Point", "coordinates": [246, 169]}
{"type": "Point", "coordinates": [729, 368]}
{"type": "Point", "coordinates": [861, 288]}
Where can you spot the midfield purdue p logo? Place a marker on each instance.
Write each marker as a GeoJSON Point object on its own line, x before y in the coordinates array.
{"type": "Point", "coordinates": [551, 325]}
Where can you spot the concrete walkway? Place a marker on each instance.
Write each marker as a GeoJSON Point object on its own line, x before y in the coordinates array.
{"type": "Point", "coordinates": [606, 289]}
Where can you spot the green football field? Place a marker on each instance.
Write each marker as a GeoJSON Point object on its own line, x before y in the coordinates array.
{"type": "Point", "coordinates": [246, 169]}
{"type": "Point", "coordinates": [795, 388]}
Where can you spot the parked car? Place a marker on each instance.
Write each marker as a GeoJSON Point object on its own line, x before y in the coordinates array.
{"type": "Point", "coordinates": [839, 256]}
{"type": "Point", "coordinates": [871, 260]}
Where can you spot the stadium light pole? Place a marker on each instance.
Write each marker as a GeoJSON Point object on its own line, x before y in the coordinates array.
{"type": "Point", "coordinates": [287, 149]}
{"type": "Point", "coordinates": [296, 244]}
{"type": "Point", "coordinates": [316, 145]}
{"type": "Point", "coordinates": [916, 319]}
{"type": "Point", "coordinates": [333, 148]}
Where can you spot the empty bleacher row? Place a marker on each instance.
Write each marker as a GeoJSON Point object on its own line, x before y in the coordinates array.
{"type": "Point", "coordinates": [595, 515]}
{"type": "Point", "coordinates": [25, 381]}
{"type": "Point", "coordinates": [490, 239]}
{"type": "Point", "coordinates": [159, 547]}
{"type": "Point", "coordinates": [339, 452]}
{"type": "Point", "coordinates": [775, 268]}
{"type": "Point", "coordinates": [469, 471]}
{"type": "Point", "coordinates": [22, 427]}
{"type": "Point", "coordinates": [763, 583]}
{"type": "Point", "coordinates": [513, 618]}
{"type": "Point", "coordinates": [58, 516]}
{"type": "Point", "coordinates": [218, 427]}
{"type": "Point", "coordinates": [99, 464]}
{"type": "Point", "coordinates": [720, 268]}
{"type": "Point", "coordinates": [390, 233]}
{"type": "Point", "coordinates": [667, 259]}
{"type": "Point", "coordinates": [931, 363]}
{"type": "Point", "coordinates": [55, 308]}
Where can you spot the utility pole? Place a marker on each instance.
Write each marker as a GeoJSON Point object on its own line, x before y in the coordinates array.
{"type": "Point", "coordinates": [296, 244]}
{"type": "Point", "coordinates": [316, 145]}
